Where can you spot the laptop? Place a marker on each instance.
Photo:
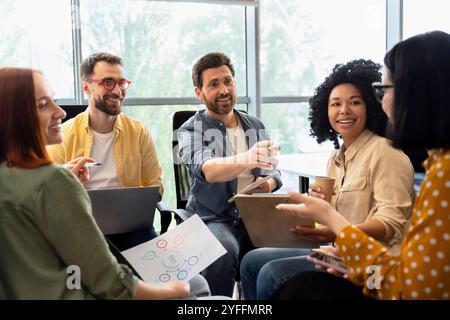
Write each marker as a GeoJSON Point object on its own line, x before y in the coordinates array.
{"type": "Point", "coordinates": [119, 210]}
{"type": "Point", "coordinates": [269, 227]}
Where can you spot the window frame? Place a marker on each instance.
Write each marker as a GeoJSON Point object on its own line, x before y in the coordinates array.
{"type": "Point", "coordinates": [252, 98]}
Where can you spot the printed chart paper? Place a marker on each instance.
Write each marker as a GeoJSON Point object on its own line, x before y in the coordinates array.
{"type": "Point", "coordinates": [177, 255]}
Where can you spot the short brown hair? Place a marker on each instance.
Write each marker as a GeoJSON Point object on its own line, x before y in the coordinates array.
{"type": "Point", "coordinates": [88, 64]}
{"type": "Point", "coordinates": [21, 140]}
{"type": "Point", "coordinates": [210, 60]}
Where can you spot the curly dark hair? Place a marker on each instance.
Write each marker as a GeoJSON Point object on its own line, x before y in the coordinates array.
{"type": "Point", "coordinates": [361, 73]}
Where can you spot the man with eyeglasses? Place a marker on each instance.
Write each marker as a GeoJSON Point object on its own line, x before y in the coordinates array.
{"type": "Point", "coordinates": [122, 145]}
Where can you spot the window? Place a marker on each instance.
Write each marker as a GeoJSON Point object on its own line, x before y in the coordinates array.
{"type": "Point", "coordinates": [302, 40]}
{"type": "Point", "coordinates": [289, 127]}
{"type": "Point", "coordinates": [160, 41]}
{"type": "Point", "coordinates": [31, 37]}
{"type": "Point", "coordinates": [421, 16]}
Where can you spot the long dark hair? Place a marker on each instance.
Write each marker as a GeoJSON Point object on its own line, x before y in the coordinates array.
{"type": "Point", "coordinates": [420, 71]}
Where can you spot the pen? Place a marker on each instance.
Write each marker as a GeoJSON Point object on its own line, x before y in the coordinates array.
{"type": "Point", "coordinates": [92, 164]}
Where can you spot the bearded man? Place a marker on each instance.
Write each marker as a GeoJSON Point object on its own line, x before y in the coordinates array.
{"type": "Point", "coordinates": [224, 150]}
{"type": "Point", "coordinates": [123, 146]}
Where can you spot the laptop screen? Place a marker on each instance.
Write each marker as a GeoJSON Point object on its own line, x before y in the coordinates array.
{"type": "Point", "coordinates": [120, 210]}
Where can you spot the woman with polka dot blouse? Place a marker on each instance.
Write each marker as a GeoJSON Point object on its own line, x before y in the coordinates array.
{"type": "Point", "coordinates": [414, 96]}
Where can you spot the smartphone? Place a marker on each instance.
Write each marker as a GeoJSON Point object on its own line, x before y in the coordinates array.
{"type": "Point", "coordinates": [328, 260]}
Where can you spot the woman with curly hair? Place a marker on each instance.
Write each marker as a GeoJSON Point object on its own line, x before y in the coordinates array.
{"type": "Point", "coordinates": [374, 181]}
{"type": "Point", "coordinates": [359, 74]}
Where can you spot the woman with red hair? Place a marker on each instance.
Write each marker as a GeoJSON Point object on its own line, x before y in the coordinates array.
{"type": "Point", "coordinates": [47, 231]}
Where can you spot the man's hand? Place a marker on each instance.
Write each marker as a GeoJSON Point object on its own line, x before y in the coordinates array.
{"type": "Point", "coordinates": [262, 188]}
{"type": "Point", "coordinates": [261, 155]}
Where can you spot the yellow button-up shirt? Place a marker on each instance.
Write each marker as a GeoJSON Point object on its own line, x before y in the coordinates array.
{"type": "Point", "coordinates": [134, 150]}
{"type": "Point", "coordinates": [374, 181]}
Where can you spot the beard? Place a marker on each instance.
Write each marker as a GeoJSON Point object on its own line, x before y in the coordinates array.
{"type": "Point", "coordinates": [108, 107]}
{"type": "Point", "coordinates": [222, 108]}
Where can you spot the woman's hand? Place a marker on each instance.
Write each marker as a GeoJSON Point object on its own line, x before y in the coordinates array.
{"type": "Point", "coordinates": [308, 207]}
{"type": "Point", "coordinates": [317, 210]}
{"type": "Point", "coordinates": [315, 191]}
{"type": "Point", "coordinates": [333, 271]}
{"type": "Point", "coordinates": [148, 291]}
{"type": "Point", "coordinates": [177, 290]}
{"type": "Point", "coordinates": [320, 234]}
{"type": "Point", "coordinates": [78, 168]}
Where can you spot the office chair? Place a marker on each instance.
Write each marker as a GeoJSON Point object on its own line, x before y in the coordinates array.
{"type": "Point", "coordinates": [166, 215]}
{"type": "Point", "coordinates": [183, 182]}
{"type": "Point", "coordinates": [417, 157]}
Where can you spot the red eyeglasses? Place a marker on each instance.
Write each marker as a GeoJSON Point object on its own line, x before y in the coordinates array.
{"type": "Point", "coordinates": [110, 84]}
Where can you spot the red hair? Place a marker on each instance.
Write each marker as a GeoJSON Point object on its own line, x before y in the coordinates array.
{"type": "Point", "coordinates": [21, 141]}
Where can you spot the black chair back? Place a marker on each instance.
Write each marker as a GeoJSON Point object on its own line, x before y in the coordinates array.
{"type": "Point", "coordinates": [72, 111]}
{"type": "Point", "coordinates": [417, 156]}
{"type": "Point", "coordinates": [182, 180]}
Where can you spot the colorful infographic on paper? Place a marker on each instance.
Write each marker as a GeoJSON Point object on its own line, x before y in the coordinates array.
{"type": "Point", "coordinates": [177, 255]}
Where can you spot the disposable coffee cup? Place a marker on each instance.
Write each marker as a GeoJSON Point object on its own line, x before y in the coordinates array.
{"type": "Point", "coordinates": [327, 185]}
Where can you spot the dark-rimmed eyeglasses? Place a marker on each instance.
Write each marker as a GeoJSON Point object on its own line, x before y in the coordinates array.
{"type": "Point", "coordinates": [110, 84]}
{"type": "Point", "coordinates": [379, 89]}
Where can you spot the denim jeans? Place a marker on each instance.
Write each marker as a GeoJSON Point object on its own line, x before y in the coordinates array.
{"type": "Point", "coordinates": [263, 270]}
{"type": "Point", "coordinates": [221, 275]}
